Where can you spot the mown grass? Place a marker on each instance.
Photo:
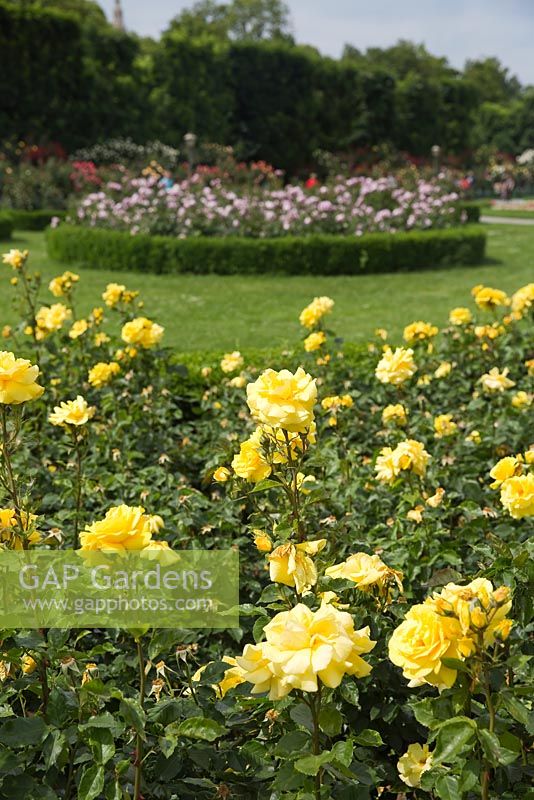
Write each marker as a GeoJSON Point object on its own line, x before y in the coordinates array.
{"type": "Point", "coordinates": [513, 213]}
{"type": "Point", "coordinates": [214, 312]}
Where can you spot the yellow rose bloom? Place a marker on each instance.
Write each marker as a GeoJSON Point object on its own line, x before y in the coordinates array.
{"type": "Point", "coordinates": [123, 528]}
{"type": "Point", "coordinates": [517, 496]}
{"type": "Point", "coordinates": [143, 332]}
{"type": "Point", "coordinates": [113, 294]}
{"type": "Point", "coordinates": [490, 332]}
{"type": "Point", "coordinates": [232, 677]}
{"type": "Point", "coordinates": [413, 763]}
{"type": "Point", "coordinates": [78, 328]}
{"type": "Point", "coordinates": [487, 298]}
{"type": "Point", "coordinates": [63, 284]}
{"type": "Point", "coordinates": [335, 402]}
{"type": "Point", "coordinates": [521, 400]}
{"type": "Point", "coordinates": [315, 311]}
{"type": "Point", "coordinates": [495, 381]}
{"type": "Point", "coordinates": [396, 414]}
{"type": "Point", "coordinates": [460, 316]}
{"type": "Point", "coordinates": [291, 564]}
{"type": "Point", "coordinates": [15, 258]}
{"type": "Point", "coordinates": [303, 647]}
{"type": "Point", "coordinates": [100, 339]}
{"type": "Point", "coordinates": [262, 541]}
{"type": "Point", "coordinates": [222, 474]}
{"type": "Point", "coordinates": [239, 382]}
{"type": "Point", "coordinates": [50, 320]}
{"type": "Point", "coordinates": [477, 606]}
{"type": "Point", "coordinates": [444, 425]}
{"type": "Point", "coordinates": [73, 412]}
{"type": "Point", "coordinates": [10, 530]}
{"type": "Point", "coordinates": [395, 367]}
{"type": "Point", "coordinates": [523, 299]}
{"type": "Point", "coordinates": [530, 366]}
{"type": "Point", "coordinates": [474, 437]}
{"type": "Point", "coordinates": [411, 455]}
{"type": "Point", "coordinates": [18, 380]}
{"type": "Point", "coordinates": [505, 468]}
{"type": "Point", "coordinates": [367, 572]}
{"type": "Point", "coordinates": [443, 369]}
{"type": "Point", "coordinates": [386, 467]}
{"type": "Point", "coordinates": [28, 664]}
{"type": "Point", "coordinates": [314, 341]}
{"type": "Point", "coordinates": [102, 373]}
{"type": "Point", "coordinates": [250, 463]}
{"type": "Point", "coordinates": [232, 361]}
{"type": "Point", "coordinates": [416, 514]}
{"type": "Point", "coordinates": [418, 331]}
{"type": "Point", "coordinates": [419, 643]}
{"type": "Point", "coordinates": [436, 499]}
{"type": "Point", "coordinates": [283, 399]}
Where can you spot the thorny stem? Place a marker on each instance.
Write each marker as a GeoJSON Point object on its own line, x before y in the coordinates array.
{"type": "Point", "coordinates": [10, 482]}
{"type": "Point", "coordinates": [315, 708]}
{"type": "Point", "coordinates": [293, 492]}
{"type": "Point", "coordinates": [79, 479]}
{"type": "Point", "coordinates": [139, 741]}
{"type": "Point", "coordinates": [486, 775]}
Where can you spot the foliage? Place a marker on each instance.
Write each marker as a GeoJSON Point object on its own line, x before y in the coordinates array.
{"type": "Point", "coordinates": [310, 255]}
{"type": "Point", "coordinates": [6, 225]}
{"type": "Point", "coordinates": [34, 220]}
{"type": "Point", "coordinates": [80, 706]}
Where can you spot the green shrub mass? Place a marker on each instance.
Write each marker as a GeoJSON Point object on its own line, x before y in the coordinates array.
{"type": "Point", "coordinates": [313, 255]}
{"type": "Point", "coordinates": [6, 225]}
{"type": "Point", "coordinates": [36, 220]}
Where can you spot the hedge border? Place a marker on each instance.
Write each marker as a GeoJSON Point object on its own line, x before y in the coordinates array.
{"type": "Point", "coordinates": [6, 226]}
{"type": "Point", "coordinates": [35, 220]}
{"type": "Point", "coordinates": [311, 255]}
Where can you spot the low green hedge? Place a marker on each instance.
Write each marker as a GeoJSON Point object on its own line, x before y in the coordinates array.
{"type": "Point", "coordinates": [34, 220]}
{"type": "Point", "coordinates": [470, 210]}
{"type": "Point", "coordinates": [311, 255]}
{"type": "Point", "coordinates": [6, 226]}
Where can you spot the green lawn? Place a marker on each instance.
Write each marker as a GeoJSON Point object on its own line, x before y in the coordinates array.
{"type": "Point", "coordinates": [224, 312]}
{"type": "Point", "coordinates": [514, 213]}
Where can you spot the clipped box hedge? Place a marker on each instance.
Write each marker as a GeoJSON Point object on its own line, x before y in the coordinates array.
{"type": "Point", "coordinates": [33, 220]}
{"type": "Point", "coordinates": [6, 226]}
{"type": "Point", "coordinates": [310, 255]}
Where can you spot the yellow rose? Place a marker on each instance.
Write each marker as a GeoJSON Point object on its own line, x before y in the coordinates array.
{"type": "Point", "coordinates": [418, 331]}
{"type": "Point", "coordinates": [444, 426]}
{"type": "Point", "coordinates": [102, 373]}
{"type": "Point", "coordinates": [395, 367]}
{"type": "Point", "coordinates": [315, 311]}
{"type": "Point", "coordinates": [262, 541]}
{"type": "Point", "coordinates": [443, 369]}
{"type": "Point", "coordinates": [50, 320]}
{"type": "Point", "coordinates": [143, 332]}
{"type": "Point", "coordinates": [302, 647]}
{"type": "Point", "coordinates": [521, 400]}
{"type": "Point", "coordinates": [222, 474]}
{"type": "Point", "coordinates": [419, 643]}
{"type": "Point", "coordinates": [78, 328]}
{"type": "Point", "coordinates": [413, 763]}
{"type": "Point", "coordinates": [10, 529]}
{"type": "Point", "coordinates": [395, 413]}
{"type": "Point", "coordinates": [250, 462]}
{"type": "Point", "coordinates": [517, 496]}
{"type": "Point", "coordinates": [291, 564]}
{"type": "Point", "coordinates": [18, 380]}
{"type": "Point", "coordinates": [523, 298]}
{"type": "Point", "coordinates": [100, 339]}
{"type": "Point", "coordinates": [113, 294]}
{"type": "Point", "coordinates": [474, 437]}
{"type": "Point", "coordinates": [232, 677]}
{"type": "Point", "coordinates": [386, 467]}
{"type": "Point", "coordinates": [495, 381]}
{"type": "Point", "coordinates": [335, 402]}
{"type": "Point", "coordinates": [232, 361]}
{"type": "Point", "coordinates": [28, 664]}
{"type": "Point", "coordinates": [73, 412]}
{"type": "Point", "coordinates": [478, 608]}
{"type": "Point", "coordinates": [314, 341]}
{"type": "Point", "coordinates": [366, 572]}
{"type": "Point", "coordinates": [15, 258]}
{"type": "Point", "coordinates": [437, 498]}
{"type": "Point", "coordinates": [283, 399]}
{"type": "Point", "coordinates": [238, 382]}
{"type": "Point", "coordinates": [415, 514]}
{"type": "Point", "coordinates": [63, 284]}
{"type": "Point", "coordinates": [6, 331]}
{"type": "Point", "coordinates": [460, 316]}
{"type": "Point", "coordinates": [411, 455]}
{"type": "Point", "coordinates": [123, 528]}
{"type": "Point", "coordinates": [487, 298]}
{"type": "Point", "coordinates": [504, 469]}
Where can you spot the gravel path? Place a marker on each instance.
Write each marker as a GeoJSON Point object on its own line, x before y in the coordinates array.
{"type": "Point", "coordinates": [507, 220]}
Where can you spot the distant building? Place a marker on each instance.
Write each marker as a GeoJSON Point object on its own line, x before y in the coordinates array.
{"type": "Point", "coordinates": [118, 17]}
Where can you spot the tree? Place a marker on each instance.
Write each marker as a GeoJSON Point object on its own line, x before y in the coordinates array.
{"type": "Point", "coordinates": [240, 20]}
{"type": "Point", "coordinates": [492, 80]}
{"type": "Point", "coordinates": [402, 59]}
{"type": "Point", "coordinates": [86, 11]}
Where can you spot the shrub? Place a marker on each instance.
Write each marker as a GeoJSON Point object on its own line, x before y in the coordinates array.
{"type": "Point", "coordinates": [314, 255]}
{"type": "Point", "coordinates": [6, 225]}
{"type": "Point", "coordinates": [471, 210]}
{"type": "Point", "coordinates": [34, 220]}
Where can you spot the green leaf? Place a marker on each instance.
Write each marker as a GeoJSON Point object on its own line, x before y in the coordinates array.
{"type": "Point", "coordinates": [457, 664]}
{"type": "Point", "coordinates": [330, 720]}
{"type": "Point", "coordinates": [23, 732]}
{"type": "Point", "coordinates": [91, 783]}
{"type": "Point", "coordinates": [494, 752]}
{"type": "Point", "coordinates": [342, 753]}
{"type": "Point", "coordinates": [350, 692]}
{"type": "Point", "coordinates": [310, 765]}
{"type": "Point", "coordinates": [454, 736]}
{"type": "Point", "coordinates": [515, 708]}
{"type": "Point", "coordinates": [368, 738]}
{"type": "Point", "coordinates": [197, 728]}
{"type": "Point", "coordinates": [448, 787]}
{"type": "Point", "coordinates": [54, 745]}
{"type": "Point", "coordinates": [133, 714]}
{"type": "Point", "coordinates": [102, 745]}
{"type": "Point", "coordinates": [301, 715]}
{"type": "Point", "coordinates": [294, 741]}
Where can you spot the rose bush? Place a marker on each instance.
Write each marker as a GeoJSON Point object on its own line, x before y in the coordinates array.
{"type": "Point", "coordinates": [382, 503]}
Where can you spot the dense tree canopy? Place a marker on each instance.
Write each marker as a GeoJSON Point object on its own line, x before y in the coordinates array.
{"type": "Point", "coordinates": [232, 73]}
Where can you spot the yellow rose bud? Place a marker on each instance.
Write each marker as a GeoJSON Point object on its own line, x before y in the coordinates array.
{"type": "Point", "coordinates": [222, 474]}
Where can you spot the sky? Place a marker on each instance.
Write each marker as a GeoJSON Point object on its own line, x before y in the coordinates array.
{"type": "Point", "coordinates": [458, 29]}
